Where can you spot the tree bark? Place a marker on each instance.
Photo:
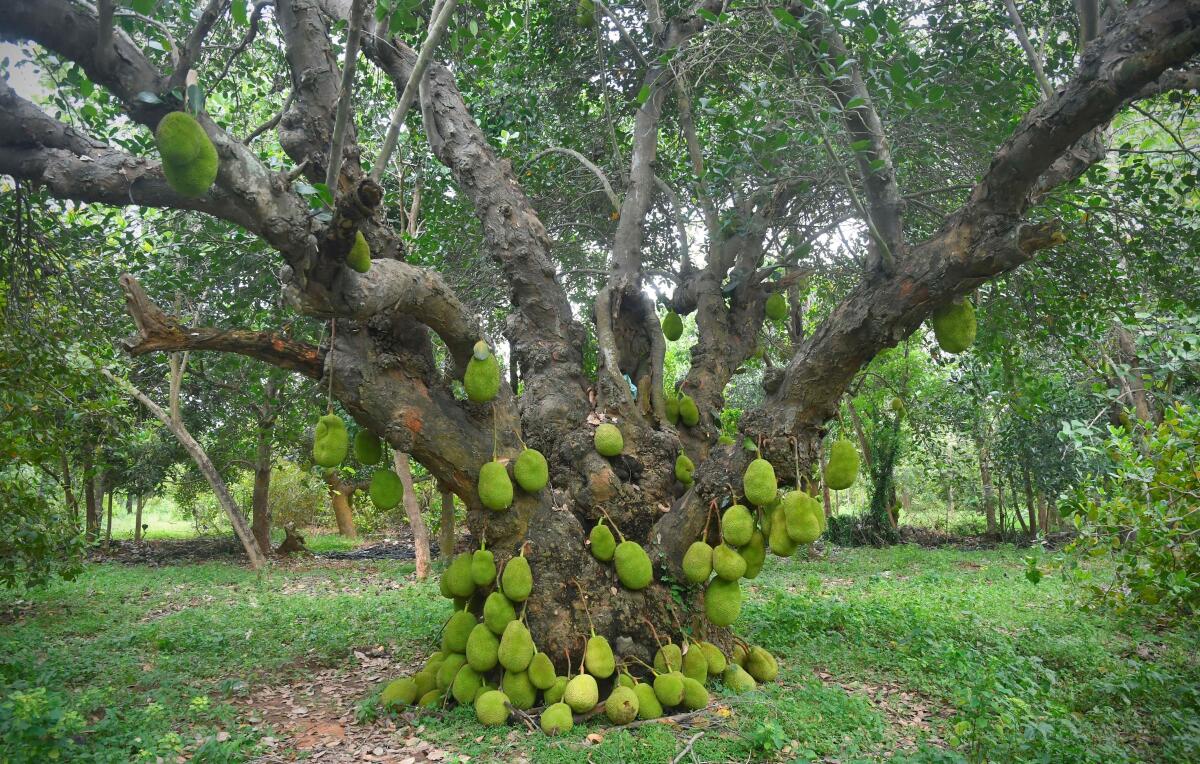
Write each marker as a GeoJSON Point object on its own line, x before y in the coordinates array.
{"type": "Point", "coordinates": [137, 521]}
{"type": "Point", "coordinates": [91, 482]}
{"type": "Point", "coordinates": [1029, 505]}
{"type": "Point", "coordinates": [985, 478]}
{"type": "Point", "coordinates": [341, 498]}
{"type": "Point", "coordinates": [108, 520]}
{"type": "Point", "coordinates": [446, 526]}
{"type": "Point", "coordinates": [420, 531]}
{"type": "Point", "coordinates": [68, 491]}
{"type": "Point", "coordinates": [260, 513]}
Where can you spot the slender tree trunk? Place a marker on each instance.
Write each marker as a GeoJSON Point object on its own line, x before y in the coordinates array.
{"type": "Point", "coordinates": [1029, 505]}
{"type": "Point", "coordinates": [446, 526]}
{"type": "Point", "coordinates": [129, 503]}
{"type": "Point", "coordinates": [137, 521]}
{"type": "Point", "coordinates": [68, 490]}
{"type": "Point", "coordinates": [1016, 506]}
{"type": "Point", "coordinates": [91, 483]}
{"type": "Point", "coordinates": [989, 491]}
{"type": "Point", "coordinates": [260, 505]}
{"type": "Point", "coordinates": [419, 530]}
{"type": "Point", "coordinates": [341, 498]}
{"type": "Point", "coordinates": [1133, 382]}
{"type": "Point", "coordinates": [1043, 513]}
{"type": "Point", "coordinates": [108, 522]}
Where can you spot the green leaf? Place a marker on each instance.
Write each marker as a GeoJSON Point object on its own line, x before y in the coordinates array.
{"type": "Point", "coordinates": [862, 145]}
{"type": "Point", "coordinates": [238, 10]}
{"type": "Point", "coordinates": [788, 20]}
{"type": "Point", "coordinates": [643, 94]}
{"type": "Point", "coordinates": [855, 103]}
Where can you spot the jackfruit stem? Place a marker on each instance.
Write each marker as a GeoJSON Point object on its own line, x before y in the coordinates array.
{"type": "Point", "coordinates": [332, 338]}
{"type": "Point", "coordinates": [653, 631]}
{"type": "Point", "coordinates": [613, 524]}
{"type": "Point", "coordinates": [647, 665]}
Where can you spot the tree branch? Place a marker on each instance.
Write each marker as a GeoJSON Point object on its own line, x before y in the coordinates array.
{"type": "Point", "coordinates": [346, 96]}
{"type": "Point", "coordinates": [195, 41]}
{"type": "Point", "coordinates": [613, 199]}
{"type": "Point", "coordinates": [1035, 61]}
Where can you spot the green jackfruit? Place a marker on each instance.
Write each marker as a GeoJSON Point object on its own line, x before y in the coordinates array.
{"type": "Point", "coordinates": [761, 665]}
{"type": "Point", "coordinates": [715, 658]}
{"type": "Point", "coordinates": [668, 658]}
{"type": "Point", "coordinates": [531, 471]}
{"type": "Point", "coordinates": [954, 326]}
{"type": "Point", "coordinates": [368, 449]}
{"type": "Point", "coordinates": [466, 685]}
{"type": "Point", "coordinates": [189, 159]}
{"type": "Point", "coordinates": [697, 562]}
{"type": "Point", "coordinates": [458, 576]}
{"type": "Point", "coordinates": [483, 567]}
{"type": "Point", "coordinates": [520, 691]}
{"type": "Point", "coordinates": [456, 632]}
{"type": "Point", "coordinates": [737, 525]}
{"type": "Point", "coordinates": [626, 680]}
{"type": "Point", "coordinates": [516, 647]}
{"type": "Point", "coordinates": [541, 671]}
{"type": "Point", "coordinates": [672, 326]}
{"type": "Point", "coordinates": [633, 565]}
{"type": "Point", "coordinates": [359, 256]}
{"type": "Point", "coordinates": [495, 489]}
{"type": "Point", "coordinates": [897, 406]}
{"type": "Point", "coordinates": [598, 657]}
{"type": "Point", "coordinates": [431, 699]}
{"type": "Point", "coordinates": [755, 554]}
{"type": "Point", "coordinates": [557, 719]}
{"type": "Point", "coordinates": [482, 378]}
{"type": "Point", "coordinates": [668, 688]}
{"type": "Point", "coordinates": [483, 649]}
{"type": "Point", "coordinates": [581, 694]}
{"type": "Point", "coordinates": [555, 693]}
{"type": "Point", "coordinates": [781, 543]}
{"type": "Point", "coordinates": [602, 542]}
{"type": "Point", "coordinates": [842, 468]}
{"type": "Point", "coordinates": [737, 680]}
{"type": "Point", "coordinates": [672, 410]}
{"type": "Point", "coordinates": [649, 706]}
{"type": "Point", "coordinates": [802, 517]}
{"type": "Point", "coordinates": [449, 667]}
{"type": "Point", "coordinates": [684, 467]}
{"type": "Point", "coordinates": [695, 696]}
{"type": "Point", "coordinates": [517, 580]}
{"type": "Point", "coordinates": [399, 692]}
{"type": "Point", "coordinates": [497, 612]}
{"type": "Point", "coordinates": [608, 440]}
{"type": "Point", "coordinates": [483, 687]}
{"type": "Point", "coordinates": [727, 563]}
{"type": "Point", "coordinates": [621, 706]}
{"type": "Point", "coordinates": [330, 441]}
{"type": "Point", "coordinates": [426, 680]}
{"type": "Point", "coordinates": [695, 665]}
{"type": "Point", "coordinates": [740, 653]}
{"type": "Point", "coordinates": [758, 482]}
{"type": "Point", "coordinates": [722, 601]}
{"type": "Point", "coordinates": [689, 413]}
{"type": "Point", "coordinates": [386, 489]}
{"type": "Point", "coordinates": [777, 307]}
{"type": "Point", "coordinates": [491, 708]}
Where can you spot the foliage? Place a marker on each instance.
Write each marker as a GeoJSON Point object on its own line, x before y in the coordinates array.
{"type": "Point", "coordinates": [38, 538]}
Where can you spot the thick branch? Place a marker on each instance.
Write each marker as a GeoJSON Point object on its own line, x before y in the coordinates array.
{"type": "Point", "coordinates": [342, 117]}
{"type": "Point", "coordinates": [190, 53]}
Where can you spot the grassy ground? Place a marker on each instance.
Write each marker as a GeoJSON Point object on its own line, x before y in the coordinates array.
{"type": "Point", "coordinates": [938, 654]}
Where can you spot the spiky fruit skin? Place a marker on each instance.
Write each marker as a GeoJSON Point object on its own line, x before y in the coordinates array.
{"type": "Point", "coordinates": [737, 680]}
{"type": "Point", "coordinates": [458, 576]}
{"type": "Point", "coordinates": [189, 157]}
{"type": "Point", "coordinates": [727, 563]}
{"type": "Point", "coordinates": [491, 709]}
{"type": "Point", "coordinates": [431, 699]}
{"type": "Point", "coordinates": [621, 707]}
{"type": "Point", "coordinates": [516, 647]}
{"type": "Point", "coordinates": [448, 669]}
{"type": "Point", "coordinates": [330, 441]}
{"type": "Point", "coordinates": [695, 696]}
{"type": "Point", "coordinates": [802, 517]}
{"type": "Point", "coordinates": [668, 658]}
{"type": "Point", "coordinates": [520, 691]}
{"type": "Point", "coordinates": [672, 326]}
{"type": "Point", "coordinates": [714, 656]}
{"type": "Point", "coordinates": [761, 665]}
{"type": "Point", "coordinates": [557, 719]}
{"type": "Point", "coordinates": [897, 405]}
{"type": "Point", "coordinates": [541, 672]}
{"type": "Point", "coordinates": [740, 653]}
{"type": "Point", "coordinates": [649, 706]}
{"type": "Point", "coordinates": [697, 562]}
{"type": "Point", "coordinates": [758, 482]}
{"type": "Point", "coordinates": [954, 326]}
{"type": "Point", "coordinates": [555, 693]}
{"type": "Point", "coordinates": [386, 490]}
{"type": "Point", "coordinates": [531, 471]}
{"type": "Point", "coordinates": [608, 440]}
{"type": "Point", "coordinates": [633, 565]}
{"type": "Point", "coordinates": [776, 307]}
{"type": "Point", "coordinates": [625, 680]}
{"type": "Point", "coordinates": [457, 631]}
{"type": "Point", "coordinates": [672, 410]}
{"type": "Point", "coordinates": [684, 467]}
{"type": "Point", "coordinates": [602, 542]}
{"type": "Point", "coordinates": [483, 649]}
{"type": "Point", "coordinates": [426, 680]}
{"type": "Point", "coordinates": [581, 694]}
{"type": "Point", "coordinates": [482, 378]}
{"type": "Point", "coordinates": [668, 688]}
{"type": "Point", "coordinates": [359, 256]}
{"type": "Point", "coordinates": [497, 612]}
{"type": "Point", "coordinates": [399, 692]}
{"type": "Point", "coordinates": [737, 525]}
{"type": "Point", "coordinates": [755, 554]}
{"type": "Point", "coordinates": [495, 489]}
{"type": "Point", "coordinates": [466, 685]}
{"type": "Point", "coordinates": [781, 543]}
{"type": "Point", "coordinates": [483, 567]}
{"type": "Point", "coordinates": [722, 601]}
{"type": "Point", "coordinates": [598, 657]}
{"type": "Point", "coordinates": [842, 468]}
{"type": "Point", "coordinates": [517, 579]}
{"type": "Point", "coordinates": [695, 665]}
{"type": "Point", "coordinates": [689, 412]}
{"type": "Point", "coordinates": [368, 449]}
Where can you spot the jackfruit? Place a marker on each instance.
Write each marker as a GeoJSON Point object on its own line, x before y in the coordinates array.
{"type": "Point", "coordinates": [608, 440]}
{"type": "Point", "coordinates": [431, 699]}
{"type": "Point", "coordinates": [457, 631]}
{"type": "Point", "coordinates": [483, 687]}
{"type": "Point", "coordinates": [541, 672]}
{"type": "Point", "coordinates": [189, 159]}
{"type": "Point", "coordinates": [602, 542]}
{"type": "Point", "coordinates": [457, 576]}
{"type": "Point", "coordinates": [491, 708]}
{"type": "Point", "coordinates": [466, 685]}
{"type": "Point", "coordinates": [359, 256]}
{"type": "Point", "coordinates": [672, 410]}
{"type": "Point", "coordinates": [598, 657]}
{"type": "Point", "coordinates": [368, 449]}
{"type": "Point", "coordinates": [434, 662]}
{"type": "Point", "coordinates": [495, 489]}
{"type": "Point", "coordinates": [517, 579]}
{"type": "Point", "coordinates": [761, 665]}
{"type": "Point", "coordinates": [621, 707]}
{"type": "Point", "coordinates": [668, 658]}
{"type": "Point", "coordinates": [737, 680]}
{"type": "Point", "coordinates": [330, 441]}
{"type": "Point", "coordinates": [520, 691]}
{"type": "Point", "coordinates": [695, 664]}
{"type": "Point", "coordinates": [755, 554]}
{"type": "Point", "coordinates": [497, 612]}
{"type": "Point", "coordinates": [625, 680]}
{"type": "Point", "coordinates": [954, 326]}
{"type": "Point", "coordinates": [684, 467]}
{"type": "Point", "coordinates": [727, 563]}
{"type": "Point", "coordinates": [649, 706]}
{"type": "Point", "coordinates": [802, 515]}
{"type": "Point", "coordinates": [516, 647]}
{"type": "Point", "coordinates": [777, 307]}
{"type": "Point", "coordinates": [483, 567]}
{"type": "Point", "coordinates": [737, 525]}
{"type": "Point", "coordinates": [581, 694]}
{"type": "Point", "coordinates": [555, 693]}
{"type": "Point", "coordinates": [672, 326]}
{"type": "Point", "coordinates": [531, 471]}
{"type": "Point", "coordinates": [722, 601]}
{"type": "Point", "coordinates": [689, 414]}
{"type": "Point", "coordinates": [482, 377]}
{"type": "Point", "coordinates": [426, 680]}
{"type": "Point", "coordinates": [633, 565]}
{"type": "Point", "coordinates": [557, 719]}
{"type": "Point", "coordinates": [758, 482]}
{"type": "Point", "coordinates": [386, 489]}
{"type": "Point", "coordinates": [399, 692]}
{"type": "Point", "coordinates": [697, 562]}
{"type": "Point", "coordinates": [715, 658]}
{"type": "Point", "coordinates": [842, 468]}
{"type": "Point", "coordinates": [695, 696]}
{"type": "Point", "coordinates": [449, 667]}
{"type": "Point", "coordinates": [781, 543]}
{"type": "Point", "coordinates": [740, 653]}
{"type": "Point", "coordinates": [483, 648]}
{"type": "Point", "coordinates": [668, 688]}
{"type": "Point", "coordinates": [898, 405]}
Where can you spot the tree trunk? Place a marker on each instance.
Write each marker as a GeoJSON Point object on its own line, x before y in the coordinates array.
{"type": "Point", "coordinates": [420, 531]}
{"type": "Point", "coordinates": [129, 503]}
{"type": "Point", "coordinates": [68, 491]}
{"type": "Point", "coordinates": [1016, 506]}
{"type": "Point", "coordinates": [1043, 513]}
{"type": "Point", "coordinates": [1033, 520]}
{"type": "Point", "coordinates": [1132, 380]}
{"type": "Point", "coordinates": [137, 520]}
{"type": "Point", "coordinates": [446, 526]}
{"type": "Point", "coordinates": [985, 478]}
{"type": "Point", "coordinates": [108, 521]}
{"type": "Point", "coordinates": [341, 498]}
{"type": "Point", "coordinates": [91, 483]}
{"type": "Point", "coordinates": [260, 504]}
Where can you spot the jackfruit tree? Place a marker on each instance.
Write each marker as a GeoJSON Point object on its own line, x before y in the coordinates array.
{"type": "Point", "coordinates": [538, 400]}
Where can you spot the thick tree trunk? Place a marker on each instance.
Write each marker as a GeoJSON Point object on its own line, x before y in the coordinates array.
{"type": "Point", "coordinates": [137, 520]}
{"type": "Point", "coordinates": [985, 478]}
{"type": "Point", "coordinates": [420, 531]}
{"type": "Point", "coordinates": [446, 526]}
{"type": "Point", "coordinates": [341, 498]}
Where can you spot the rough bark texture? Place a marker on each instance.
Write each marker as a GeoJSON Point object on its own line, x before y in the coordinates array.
{"type": "Point", "coordinates": [341, 498]}
{"type": "Point", "coordinates": [412, 510]}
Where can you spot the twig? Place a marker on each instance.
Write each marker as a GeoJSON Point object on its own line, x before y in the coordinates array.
{"type": "Point", "coordinates": [343, 110]}
{"type": "Point", "coordinates": [687, 748]}
{"type": "Point", "coordinates": [270, 123]}
{"type": "Point", "coordinates": [624, 34]}
{"type": "Point", "coordinates": [248, 38]}
{"type": "Point", "coordinates": [613, 199]}
{"type": "Point", "coordinates": [1035, 61]}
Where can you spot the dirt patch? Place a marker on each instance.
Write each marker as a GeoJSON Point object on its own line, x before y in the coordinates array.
{"type": "Point", "coordinates": [912, 716]}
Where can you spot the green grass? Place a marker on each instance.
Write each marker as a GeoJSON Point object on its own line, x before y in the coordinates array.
{"type": "Point", "coordinates": [159, 514]}
{"type": "Point", "coordinates": [136, 662]}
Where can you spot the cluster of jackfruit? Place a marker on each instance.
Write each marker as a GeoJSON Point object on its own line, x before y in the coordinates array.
{"type": "Point", "coordinates": [495, 487]}
{"type": "Point", "coordinates": [681, 409]}
{"type": "Point", "coordinates": [634, 569]}
{"type": "Point", "coordinates": [331, 444]}
{"type": "Point", "coordinates": [189, 159]}
{"type": "Point", "coordinates": [954, 326]}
